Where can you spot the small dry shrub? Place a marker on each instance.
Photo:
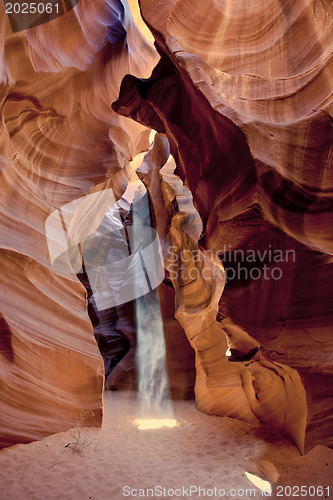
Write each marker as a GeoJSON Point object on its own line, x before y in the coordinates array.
{"type": "Point", "coordinates": [80, 438]}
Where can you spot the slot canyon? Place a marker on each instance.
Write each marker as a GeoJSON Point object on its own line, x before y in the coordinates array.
{"type": "Point", "coordinates": [166, 166]}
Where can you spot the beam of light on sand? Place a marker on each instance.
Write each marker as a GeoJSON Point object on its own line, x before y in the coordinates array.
{"type": "Point", "coordinates": [153, 382]}
{"type": "Point", "coordinates": [261, 484]}
{"type": "Point", "coordinates": [155, 423]}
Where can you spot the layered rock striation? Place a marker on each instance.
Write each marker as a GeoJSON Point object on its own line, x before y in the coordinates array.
{"type": "Point", "coordinates": [243, 95]}
{"type": "Point", "coordinates": [245, 101]}
{"type": "Point", "coordinates": [60, 141]}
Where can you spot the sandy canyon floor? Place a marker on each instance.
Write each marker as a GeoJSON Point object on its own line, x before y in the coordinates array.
{"type": "Point", "coordinates": [203, 456]}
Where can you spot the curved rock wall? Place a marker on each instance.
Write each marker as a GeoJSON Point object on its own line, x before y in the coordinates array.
{"type": "Point", "coordinates": [235, 375]}
{"type": "Point", "coordinates": [256, 69]}
{"type": "Point", "coordinates": [245, 101]}
{"type": "Point", "coordinates": [59, 140]}
{"type": "Point", "coordinates": [244, 98]}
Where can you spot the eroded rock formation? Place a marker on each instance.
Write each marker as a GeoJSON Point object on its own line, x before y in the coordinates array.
{"type": "Point", "coordinates": [245, 101]}
{"type": "Point", "coordinates": [243, 94]}
{"type": "Point", "coordinates": [59, 140]}
{"type": "Point", "coordinates": [247, 384]}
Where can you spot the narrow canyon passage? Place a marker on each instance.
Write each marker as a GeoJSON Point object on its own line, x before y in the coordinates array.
{"type": "Point", "coordinates": [166, 272]}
